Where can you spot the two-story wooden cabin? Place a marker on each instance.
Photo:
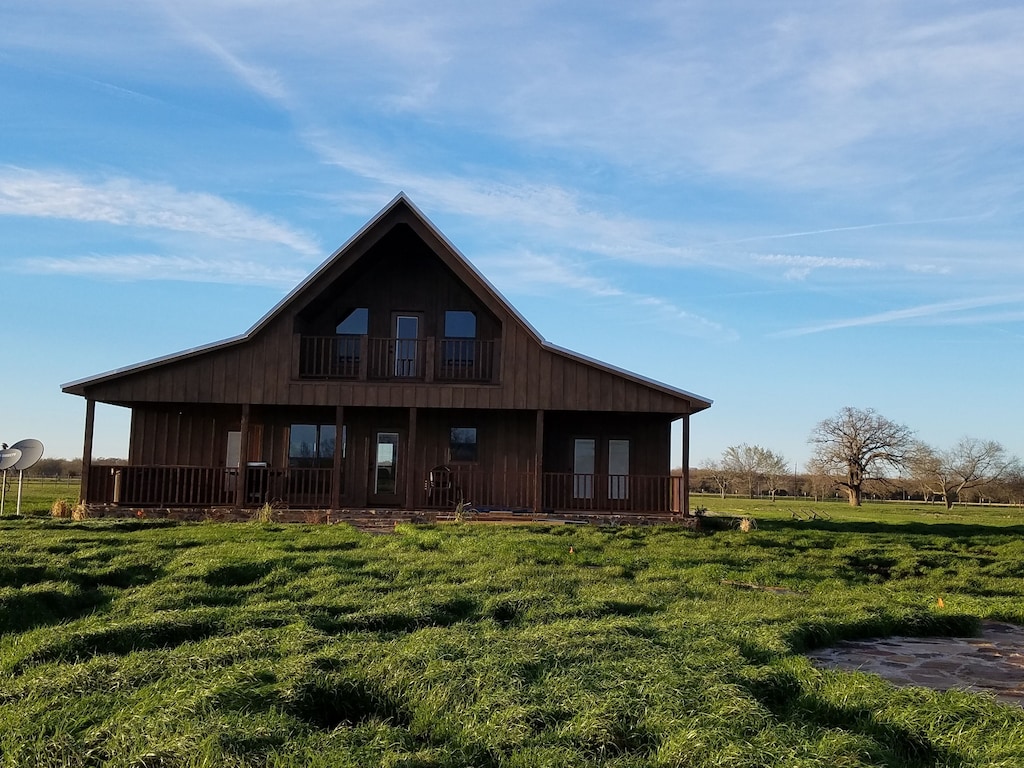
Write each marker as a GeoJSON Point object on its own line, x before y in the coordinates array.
{"type": "Point", "coordinates": [394, 377]}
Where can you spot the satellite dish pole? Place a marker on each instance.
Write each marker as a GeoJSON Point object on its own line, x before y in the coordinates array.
{"type": "Point", "coordinates": [30, 451]}
{"type": "Point", "coordinates": [8, 458]}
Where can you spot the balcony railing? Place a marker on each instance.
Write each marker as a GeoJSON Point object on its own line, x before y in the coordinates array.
{"type": "Point", "coordinates": [365, 358]}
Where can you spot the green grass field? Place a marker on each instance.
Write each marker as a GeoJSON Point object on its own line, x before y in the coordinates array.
{"type": "Point", "coordinates": [149, 643]}
{"type": "Point", "coordinates": [38, 494]}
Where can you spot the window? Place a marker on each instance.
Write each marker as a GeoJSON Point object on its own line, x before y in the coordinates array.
{"type": "Point", "coordinates": [348, 342]}
{"type": "Point", "coordinates": [459, 324]}
{"type": "Point", "coordinates": [459, 347]}
{"type": "Point", "coordinates": [462, 444]}
{"type": "Point", "coordinates": [312, 445]}
{"type": "Point", "coordinates": [355, 323]}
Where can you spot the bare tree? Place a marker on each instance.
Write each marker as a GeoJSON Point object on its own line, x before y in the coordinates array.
{"type": "Point", "coordinates": [856, 445]}
{"type": "Point", "coordinates": [971, 463]}
{"type": "Point", "coordinates": [751, 464]}
{"type": "Point", "coordinates": [743, 462]}
{"type": "Point", "coordinates": [716, 472]}
{"type": "Point", "coordinates": [774, 469]}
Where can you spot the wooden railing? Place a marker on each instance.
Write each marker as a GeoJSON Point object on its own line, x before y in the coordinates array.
{"type": "Point", "coordinates": [370, 358]}
{"type": "Point", "coordinates": [465, 360]}
{"type": "Point", "coordinates": [332, 357]}
{"type": "Point", "coordinates": [162, 486]}
{"type": "Point", "coordinates": [559, 491]}
{"type": "Point", "coordinates": [313, 488]}
{"type": "Point", "coordinates": [444, 488]}
{"type": "Point", "coordinates": [612, 493]}
{"type": "Point", "coordinates": [396, 358]}
{"type": "Point", "coordinates": [186, 486]}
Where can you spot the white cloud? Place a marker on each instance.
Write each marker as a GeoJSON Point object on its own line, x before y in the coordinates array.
{"type": "Point", "coordinates": [130, 203]}
{"type": "Point", "coordinates": [530, 272]}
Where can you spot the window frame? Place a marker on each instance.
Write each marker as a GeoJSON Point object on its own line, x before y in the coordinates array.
{"type": "Point", "coordinates": [463, 451]}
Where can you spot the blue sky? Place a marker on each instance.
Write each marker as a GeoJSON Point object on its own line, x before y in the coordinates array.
{"type": "Point", "coordinates": [787, 207]}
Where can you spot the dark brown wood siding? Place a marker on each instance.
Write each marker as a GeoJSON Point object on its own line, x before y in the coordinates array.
{"type": "Point", "coordinates": [649, 436]}
{"type": "Point", "coordinates": [182, 436]}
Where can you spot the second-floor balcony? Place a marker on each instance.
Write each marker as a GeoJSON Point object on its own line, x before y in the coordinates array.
{"type": "Point", "coordinates": [367, 358]}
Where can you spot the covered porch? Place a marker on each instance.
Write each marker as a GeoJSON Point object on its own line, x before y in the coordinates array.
{"type": "Point", "coordinates": [430, 459]}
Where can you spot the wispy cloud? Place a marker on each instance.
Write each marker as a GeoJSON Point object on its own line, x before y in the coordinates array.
{"type": "Point", "coordinates": [136, 267]}
{"type": "Point", "coordinates": [530, 272]}
{"type": "Point", "coordinates": [527, 208]}
{"type": "Point", "coordinates": [799, 267]}
{"type": "Point", "coordinates": [939, 312]}
{"type": "Point", "coordinates": [130, 203]}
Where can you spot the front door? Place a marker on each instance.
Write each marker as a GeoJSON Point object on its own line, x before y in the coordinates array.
{"type": "Point", "coordinates": [386, 461]}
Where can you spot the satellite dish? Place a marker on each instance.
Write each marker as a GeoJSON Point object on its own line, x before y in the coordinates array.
{"type": "Point", "coordinates": [9, 457]}
{"type": "Point", "coordinates": [31, 452]}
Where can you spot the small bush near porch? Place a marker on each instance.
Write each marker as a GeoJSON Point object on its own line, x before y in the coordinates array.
{"type": "Point", "coordinates": [150, 643]}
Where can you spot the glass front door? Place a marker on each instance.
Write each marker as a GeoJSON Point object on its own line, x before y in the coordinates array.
{"type": "Point", "coordinates": [385, 473]}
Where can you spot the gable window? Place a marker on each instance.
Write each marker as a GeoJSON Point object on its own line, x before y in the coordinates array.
{"type": "Point", "coordinates": [462, 445]}
{"type": "Point", "coordinates": [355, 323]}
{"type": "Point", "coordinates": [312, 445]}
{"type": "Point", "coordinates": [349, 341]}
{"type": "Point", "coordinates": [459, 345]}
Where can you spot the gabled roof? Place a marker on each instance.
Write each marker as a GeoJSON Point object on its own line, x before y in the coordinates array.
{"type": "Point", "coordinates": [401, 206]}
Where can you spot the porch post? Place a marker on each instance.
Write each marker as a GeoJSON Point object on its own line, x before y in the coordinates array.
{"type": "Point", "coordinates": [685, 479]}
{"type": "Point", "coordinates": [538, 463]}
{"type": "Point", "coordinates": [243, 458]}
{"type": "Point", "coordinates": [337, 479]}
{"type": "Point", "coordinates": [411, 476]}
{"type": "Point", "coordinates": [90, 423]}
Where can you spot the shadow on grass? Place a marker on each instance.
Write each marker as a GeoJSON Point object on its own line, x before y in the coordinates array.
{"type": "Point", "coordinates": [443, 614]}
{"type": "Point", "coordinates": [896, 746]}
{"type": "Point", "coordinates": [75, 646]}
{"type": "Point", "coordinates": [925, 624]}
{"type": "Point", "coordinates": [332, 700]}
{"type": "Point", "coordinates": [22, 611]}
{"type": "Point", "coordinates": [952, 530]}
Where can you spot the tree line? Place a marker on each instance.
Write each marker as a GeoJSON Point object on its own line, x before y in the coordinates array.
{"type": "Point", "coordinates": [62, 468]}
{"type": "Point", "coordinates": [859, 452]}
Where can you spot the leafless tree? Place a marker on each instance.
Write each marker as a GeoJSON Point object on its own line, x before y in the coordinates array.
{"type": "Point", "coordinates": [716, 472]}
{"type": "Point", "coordinates": [743, 462]}
{"type": "Point", "coordinates": [971, 463]}
{"type": "Point", "coordinates": [856, 445]}
{"type": "Point", "coordinates": [774, 469]}
{"type": "Point", "coordinates": [752, 463]}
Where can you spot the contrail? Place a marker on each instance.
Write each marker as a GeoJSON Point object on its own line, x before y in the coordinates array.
{"type": "Point", "coordinates": [924, 310]}
{"type": "Point", "coordinates": [850, 229]}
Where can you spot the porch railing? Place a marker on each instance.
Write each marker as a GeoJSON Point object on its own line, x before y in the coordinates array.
{"type": "Point", "coordinates": [190, 486]}
{"type": "Point", "coordinates": [559, 491]}
{"type": "Point", "coordinates": [612, 493]}
{"type": "Point", "coordinates": [370, 358]}
{"type": "Point", "coordinates": [313, 488]}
